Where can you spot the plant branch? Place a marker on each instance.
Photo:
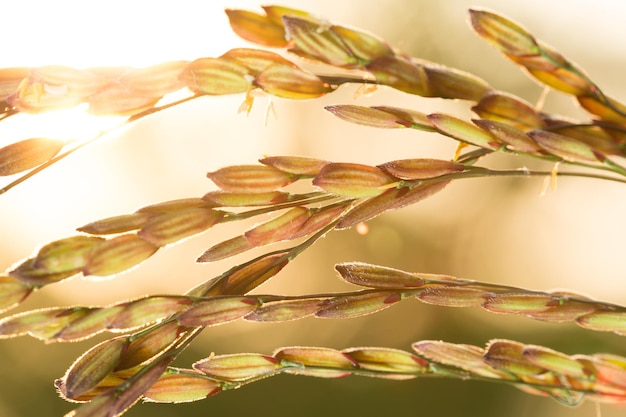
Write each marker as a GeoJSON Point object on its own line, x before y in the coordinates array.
{"type": "Point", "coordinates": [90, 140]}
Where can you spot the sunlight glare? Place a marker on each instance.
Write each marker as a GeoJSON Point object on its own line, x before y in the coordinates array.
{"type": "Point", "coordinates": [116, 33]}
{"type": "Point", "coordinates": [66, 124]}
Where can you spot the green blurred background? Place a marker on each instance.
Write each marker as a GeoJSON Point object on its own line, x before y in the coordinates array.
{"type": "Point", "coordinates": [494, 230]}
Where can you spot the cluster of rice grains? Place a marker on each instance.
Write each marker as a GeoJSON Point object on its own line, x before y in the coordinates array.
{"type": "Point", "coordinates": [110, 377]}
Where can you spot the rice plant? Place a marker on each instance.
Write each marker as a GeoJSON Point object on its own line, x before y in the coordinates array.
{"type": "Point", "coordinates": [294, 201]}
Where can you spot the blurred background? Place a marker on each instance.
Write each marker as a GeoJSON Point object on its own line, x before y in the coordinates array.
{"type": "Point", "coordinates": [493, 230]}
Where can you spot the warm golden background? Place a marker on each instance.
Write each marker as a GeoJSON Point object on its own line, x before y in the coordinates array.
{"type": "Point", "coordinates": [495, 230]}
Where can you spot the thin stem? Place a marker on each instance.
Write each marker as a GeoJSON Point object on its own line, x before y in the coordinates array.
{"type": "Point", "coordinates": [607, 164]}
{"type": "Point", "coordinates": [615, 167]}
{"type": "Point", "coordinates": [92, 139]}
{"type": "Point", "coordinates": [339, 80]}
{"type": "Point", "coordinates": [302, 199]}
{"type": "Point", "coordinates": [480, 172]}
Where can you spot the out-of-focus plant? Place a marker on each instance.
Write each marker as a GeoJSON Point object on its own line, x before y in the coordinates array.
{"type": "Point", "coordinates": [153, 330]}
